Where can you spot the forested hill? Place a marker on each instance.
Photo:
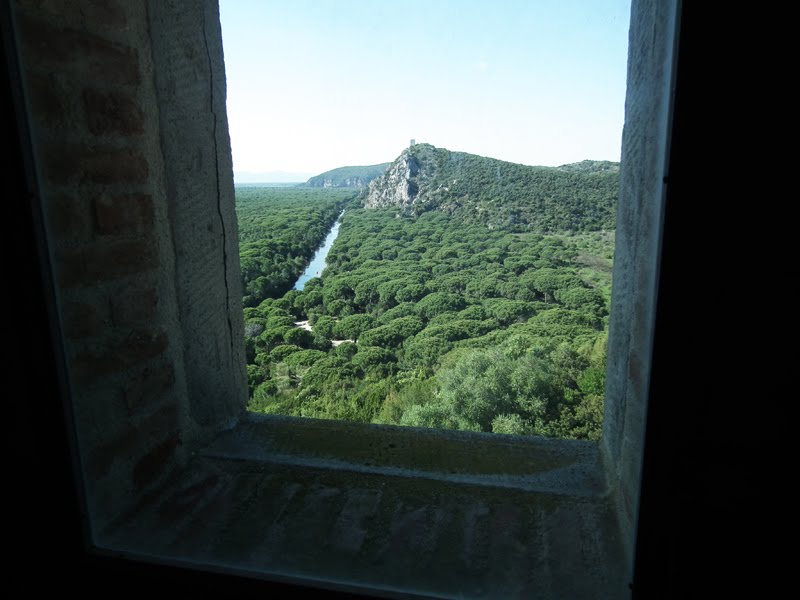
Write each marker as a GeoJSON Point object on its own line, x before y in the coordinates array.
{"type": "Point", "coordinates": [519, 198]}
{"type": "Point", "coordinates": [347, 177]}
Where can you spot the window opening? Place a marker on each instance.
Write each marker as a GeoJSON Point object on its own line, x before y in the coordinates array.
{"type": "Point", "coordinates": [157, 483]}
{"type": "Point", "coordinates": [460, 282]}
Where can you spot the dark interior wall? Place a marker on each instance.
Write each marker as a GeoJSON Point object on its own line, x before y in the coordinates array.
{"type": "Point", "coordinates": [686, 457]}
{"type": "Point", "coordinates": [138, 339]}
{"type": "Point", "coordinates": [701, 532]}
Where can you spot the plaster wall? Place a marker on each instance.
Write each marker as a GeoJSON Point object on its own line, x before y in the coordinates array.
{"type": "Point", "coordinates": [643, 177]}
{"type": "Point", "coordinates": [190, 92]}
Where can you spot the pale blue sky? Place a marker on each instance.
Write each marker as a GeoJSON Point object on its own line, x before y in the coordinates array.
{"type": "Point", "coordinates": [319, 84]}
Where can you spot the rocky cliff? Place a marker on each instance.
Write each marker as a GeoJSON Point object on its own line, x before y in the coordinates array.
{"type": "Point", "coordinates": [581, 196]}
{"type": "Point", "coordinates": [407, 182]}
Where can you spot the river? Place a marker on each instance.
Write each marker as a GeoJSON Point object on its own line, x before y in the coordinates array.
{"type": "Point", "coordinates": [317, 264]}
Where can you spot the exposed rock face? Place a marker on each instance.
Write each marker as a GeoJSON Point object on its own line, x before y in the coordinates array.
{"type": "Point", "coordinates": [400, 185]}
{"type": "Point", "coordinates": [496, 193]}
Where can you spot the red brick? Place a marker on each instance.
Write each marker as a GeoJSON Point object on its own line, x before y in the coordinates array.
{"type": "Point", "coordinates": [128, 214]}
{"type": "Point", "coordinates": [45, 102]}
{"type": "Point", "coordinates": [106, 261]}
{"type": "Point", "coordinates": [149, 386]}
{"type": "Point", "coordinates": [87, 366]}
{"type": "Point", "coordinates": [154, 463]}
{"type": "Point", "coordinates": [64, 164]}
{"type": "Point", "coordinates": [134, 306]}
{"type": "Point", "coordinates": [81, 320]}
{"type": "Point", "coordinates": [93, 58]}
{"type": "Point", "coordinates": [132, 441]}
{"type": "Point", "coordinates": [141, 345]}
{"type": "Point", "coordinates": [97, 15]}
{"type": "Point", "coordinates": [112, 112]}
{"type": "Point", "coordinates": [102, 457]}
{"type": "Point", "coordinates": [118, 355]}
{"type": "Point", "coordinates": [69, 219]}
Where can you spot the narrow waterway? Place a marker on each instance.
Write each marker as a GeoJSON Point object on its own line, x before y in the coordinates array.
{"type": "Point", "coordinates": [317, 263]}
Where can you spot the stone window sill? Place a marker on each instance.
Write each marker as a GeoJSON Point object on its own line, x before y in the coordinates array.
{"type": "Point", "coordinates": [387, 511]}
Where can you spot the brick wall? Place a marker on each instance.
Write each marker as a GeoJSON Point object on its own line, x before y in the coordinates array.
{"type": "Point", "coordinates": [89, 73]}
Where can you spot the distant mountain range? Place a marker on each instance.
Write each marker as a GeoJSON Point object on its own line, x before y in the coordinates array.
{"type": "Point", "coordinates": [575, 197]}
{"type": "Point", "coordinates": [347, 177]}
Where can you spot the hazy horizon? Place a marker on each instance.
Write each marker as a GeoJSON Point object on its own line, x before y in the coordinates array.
{"type": "Point", "coordinates": [270, 177]}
